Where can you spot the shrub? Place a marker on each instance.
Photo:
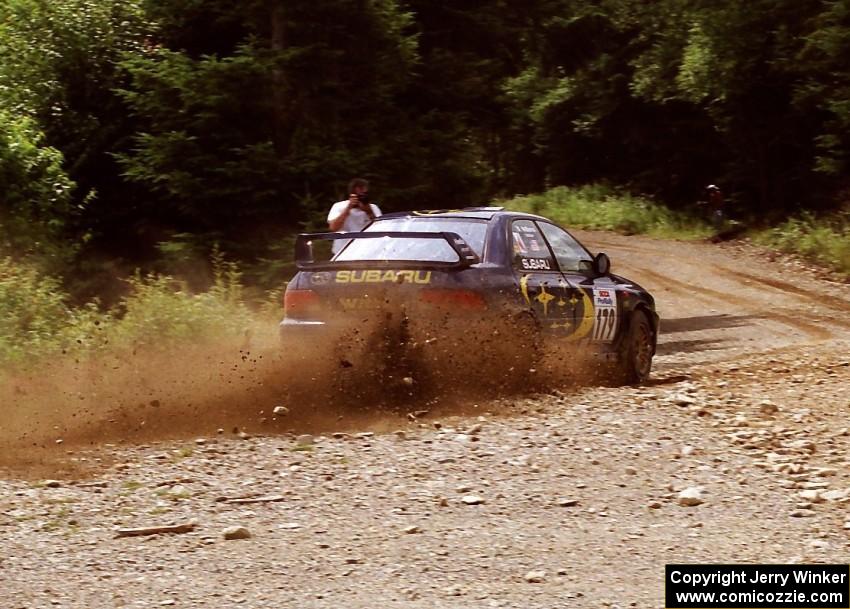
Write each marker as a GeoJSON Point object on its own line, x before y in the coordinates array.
{"type": "Point", "coordinates": [825, 240]}
{"type": "Point", "coordinates": [160, 310]}
{"type": "Point", "coordinates": [32, 311]}
{"type": "Point", "coordinates": [36, 321]}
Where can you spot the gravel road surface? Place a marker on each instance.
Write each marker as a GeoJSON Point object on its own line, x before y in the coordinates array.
{"type": "Point", "coordinates": [736, 451]}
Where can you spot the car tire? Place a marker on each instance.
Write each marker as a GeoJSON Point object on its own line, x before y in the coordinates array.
{"type": "Point", "coordinates": [634, 360]}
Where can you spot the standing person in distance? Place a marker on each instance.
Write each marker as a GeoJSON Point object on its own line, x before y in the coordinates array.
{"type": "Point", "coordinates": [354, 214]}
{"type": "Point", "coordinates": [715, 204]}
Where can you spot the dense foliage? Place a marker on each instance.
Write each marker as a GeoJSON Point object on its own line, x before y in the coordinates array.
{"type": "Point", "coordinates": [137, 132]}
{"type": "Point", "coordinates": [35, 193]}
{"type": "Point", "coordinates": [157, 311]}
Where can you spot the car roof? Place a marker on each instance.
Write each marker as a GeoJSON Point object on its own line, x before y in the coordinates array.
{"type": "Point", "coordinates": [476, 213]}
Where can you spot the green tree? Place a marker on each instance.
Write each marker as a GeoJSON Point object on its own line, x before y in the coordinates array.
{"type": "Point", "coordinates": [471, 149]}
{"type": "Point", "coordinates": [736, 62]}
{"type": "Point", "coordinates": [575, 95]}
{"type": "Point", "coordinates": [35, 201]}
{"type": "Point", "coordinates": [668, 96]}
{"type": "Point", "coordinates": [58, 66]}
{"type": "Point", "coordinates": [295, 98]}
{"type": "Point", "coordinates": [824, 87]}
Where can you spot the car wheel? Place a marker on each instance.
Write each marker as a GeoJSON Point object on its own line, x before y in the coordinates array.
{"type": "Point", "coordinates": [634, 360]}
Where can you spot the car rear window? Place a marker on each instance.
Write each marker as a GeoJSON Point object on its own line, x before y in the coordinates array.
{"type": "Point", "coordinates": [426, 250]}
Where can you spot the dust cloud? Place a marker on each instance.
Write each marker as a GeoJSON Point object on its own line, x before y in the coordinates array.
{"type": "Point", "coordinates": [366, 378]}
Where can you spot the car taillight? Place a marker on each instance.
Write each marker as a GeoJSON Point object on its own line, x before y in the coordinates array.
{"type": "Point", "coordinates": [299, 302]}
{"type": "Point", "coordinates": [460, 299]}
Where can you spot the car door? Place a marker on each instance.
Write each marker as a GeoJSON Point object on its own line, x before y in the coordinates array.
{"type": "Point", "coordinates": [596, 314]}
{"type": "Point", "coordinates": [543, 287]}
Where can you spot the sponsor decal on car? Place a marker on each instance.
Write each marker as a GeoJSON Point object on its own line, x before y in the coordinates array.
{"type": "Point", "coordinates": [605, 318]}
{"type": "Point", "coordinates": [377, 276]}
{"type": "Point", "coordinates": [603, 298]}
{"type": "Point", "coordinates": [536, 264]}
{"type": "Point", "coordinates": [320, 278]}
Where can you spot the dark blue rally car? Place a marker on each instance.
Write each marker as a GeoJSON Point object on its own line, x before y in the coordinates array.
{"type": "Point", "coordinates": [484, 280]}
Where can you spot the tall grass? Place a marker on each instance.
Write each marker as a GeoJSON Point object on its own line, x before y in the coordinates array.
{"type": "Point", "coordinates": [37, 322]}
{"type": "Point", "coordinates": [603, 208]}
{"type": "Point", "coordinates": [824, 240]}
{"type": "Point", "coordinates": [33, 314]}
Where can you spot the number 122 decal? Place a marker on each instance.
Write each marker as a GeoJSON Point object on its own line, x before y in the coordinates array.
{"type": "Point", "coordinates": [605, 314]}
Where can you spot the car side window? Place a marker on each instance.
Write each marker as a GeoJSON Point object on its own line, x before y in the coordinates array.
{"type": "Point", "coordinates": [571, 255]}
{"type": "Point", "coordinates": [530, 252]}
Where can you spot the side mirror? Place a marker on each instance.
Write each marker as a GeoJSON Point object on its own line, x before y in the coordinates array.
{"type": "Point", "coordinates": [602, 264]}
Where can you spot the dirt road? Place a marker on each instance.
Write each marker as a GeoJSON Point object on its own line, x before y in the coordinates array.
{"type": "Point", "coordinates": [566, 499]}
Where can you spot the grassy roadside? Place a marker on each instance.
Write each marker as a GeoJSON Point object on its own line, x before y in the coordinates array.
{"type": "Point", "coordinates": [37, 323]}
{"type": "Point", "coordinates": [602, 208]}
{"type": "Point", "coordinates": [823, 240]}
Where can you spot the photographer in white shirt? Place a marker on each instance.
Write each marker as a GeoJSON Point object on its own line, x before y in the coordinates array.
{"type": "Point", "coordinates": [353, 214]}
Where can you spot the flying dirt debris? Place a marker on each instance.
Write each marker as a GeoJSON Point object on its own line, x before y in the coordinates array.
{"type": "Point", "coordinates": [201, 390]}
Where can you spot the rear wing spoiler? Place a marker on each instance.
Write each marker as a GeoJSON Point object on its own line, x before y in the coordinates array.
{"type": "Point", "coordinates": [304, 251]}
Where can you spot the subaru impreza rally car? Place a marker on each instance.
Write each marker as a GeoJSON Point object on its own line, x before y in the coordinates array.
{"type": "Point", "coordinates": [463, 277]}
